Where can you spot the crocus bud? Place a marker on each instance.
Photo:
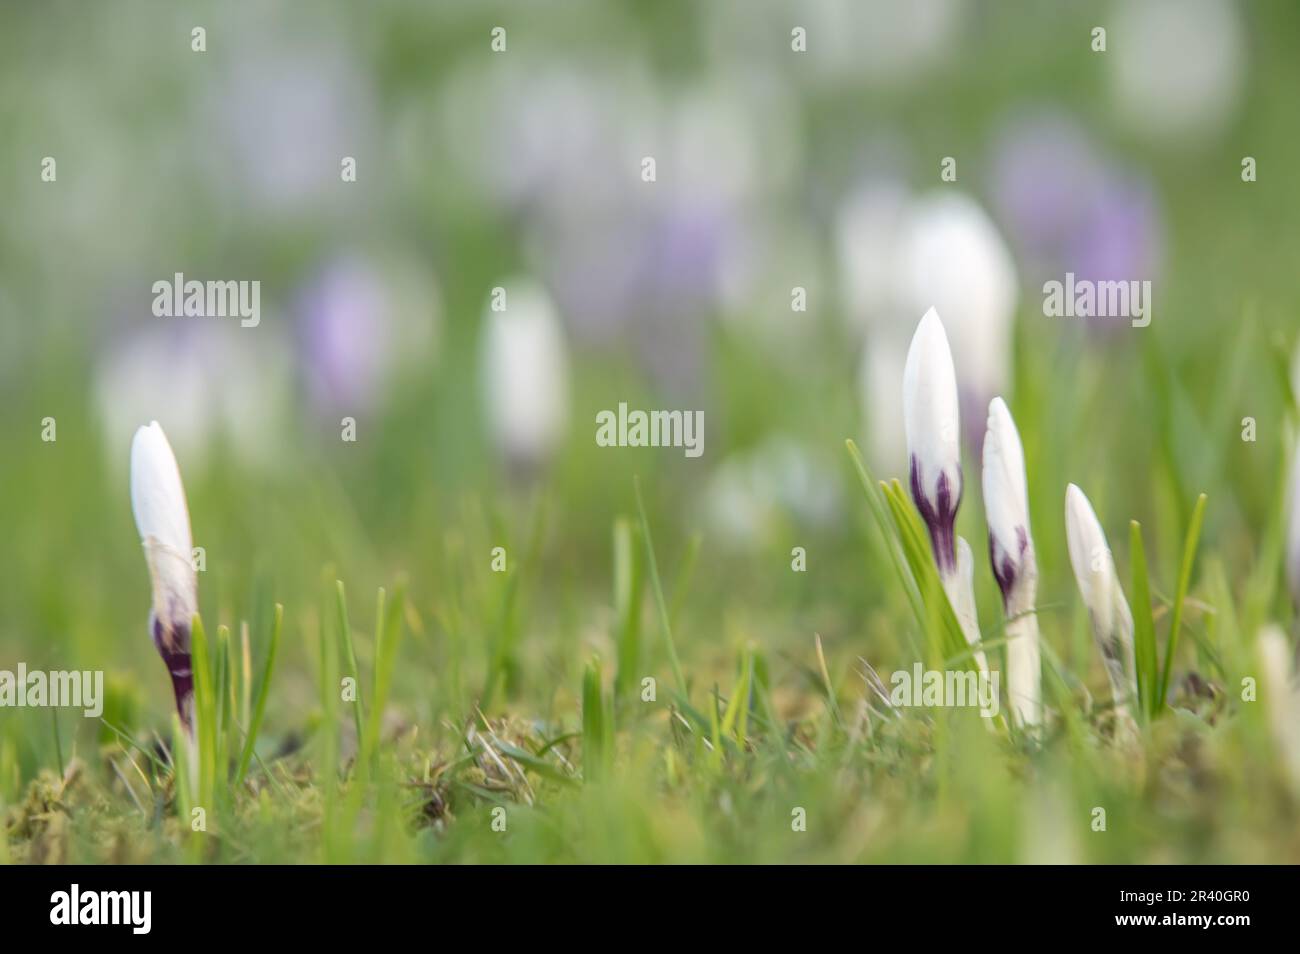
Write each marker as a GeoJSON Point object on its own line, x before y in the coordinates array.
{"type": "Point", "coordinates": [932, 426]}
{"type": "Point", "coordinates": [1293, 533]}
{"type": "Point", "coordinates": [524, 376]}
{"type": "Point", "coordinates": [1094, 571]}
{"type": "Point", "coordinates": [163, 520]}
{"type": "Point", "coordinates": [1011, 551]}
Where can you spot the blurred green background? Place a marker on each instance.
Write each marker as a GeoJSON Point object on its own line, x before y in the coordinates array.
{"type": "Point", "coordinates": [522, 169]}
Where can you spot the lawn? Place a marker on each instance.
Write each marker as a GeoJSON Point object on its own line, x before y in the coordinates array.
{"type": "Point", "coordinates": [452, 606]}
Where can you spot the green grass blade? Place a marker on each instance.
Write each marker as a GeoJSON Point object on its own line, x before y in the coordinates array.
{"type": "Point", "coordinates": [345, 635]}
{"type": "Point", "coordinates": [739, 698]}
{"type": "Point", "coordinates": [1184, 582]}
{"type": "Point", "coordinates": [595, 735]}
{"type": "Point", "coordinates": [388, 636]}
{"type": "Point", "coordinates": [263, 692]}
{"type": "Point", "coordinates": [205, 714]}
{"type": "Point", "coordinates": [939, 620]}
{"type": "Point", "coordinates": [889, 538]}
{"type": "Point", "coordinates": [665, 617]}
{"type": "Point", "coordinates": [225, 700]}
{"type": "Point", "coordinates": [629, 579]}
{"type": "Point", "coordinates": [181, 771]}
{"type": "Point", "coordinates": [1144, 634]}
{"type": "Point", "coordinates": [682, 582]}
{"type": "Point", "coordinates": [533, 763]}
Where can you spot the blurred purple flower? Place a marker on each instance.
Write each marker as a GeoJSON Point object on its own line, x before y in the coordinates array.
{"type": "Point", "coordinates": [1119, 239]}
{"type": "Point", "coordinates": [344, 327]}
{"type": "Point", "coordinates": [1068, 207]}
{"type": "Point", "coordinates": [653, 260]}
{"type": "Point", "coordinates": [360, 324]}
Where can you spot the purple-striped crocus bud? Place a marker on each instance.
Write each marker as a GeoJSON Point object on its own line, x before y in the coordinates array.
{"type": "Point", "coordinates": [161, 516]}
{"type": "Point", "coordinates": [932, 424]}
{"type": "Point", "coordinates": [1094, 571]}
{"type": "Point", "coordinates": [1011, 551]}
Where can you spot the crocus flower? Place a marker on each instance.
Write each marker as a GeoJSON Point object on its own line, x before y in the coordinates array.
{"type": "Point", "coordinates": [931, 420]}
{"type": "Point", "coordinates": [524, 369]}
{"type": "Point", "coordinates": [161, 516]}
{"type": "Point", "coordinates": [1094, 571]}
{"type": "Point", "coordinates": [1011, 551]}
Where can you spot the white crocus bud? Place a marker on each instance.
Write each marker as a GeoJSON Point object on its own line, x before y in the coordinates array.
{"type": "Point", "coordinates": [1094, 571]}
{"type": "Point", "coordinates": [932, 424]}
{"type": "Point", "coordinates": [1011, 551]}
{"type": "Point", "coordinates": [1293, 533]}
{"type": "Point", "coordinates": [524, 368]}
{"type": "Point", "coordinates": [163, 520]}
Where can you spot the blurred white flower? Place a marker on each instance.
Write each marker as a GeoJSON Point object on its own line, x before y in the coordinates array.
{"type": "Point", "coordinates": [1094, 572]}
{"type": "Point", "coordinates": [953, 259]}
{"type": "Point", "coordinates": [204, 382]}
{"type": "Point", "coordinates": [880, 381]}
{"type": "Point", "coordinates": [524, 376]}
{"type": "Point", "coordinates": [163, 520]}
{"type": "Point", "coordinates": [1177, 66]}
{"type": "Point", "coordinates": [1281, 699]}
{"type": "Point", "coordinates": [867, 227]}
{"type": "Point", "coordinates": [1011, 551]}
{"type": "Point", "coordinates": [880, 41]}
{"type": "Point", "coordinates": [750, 492]}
